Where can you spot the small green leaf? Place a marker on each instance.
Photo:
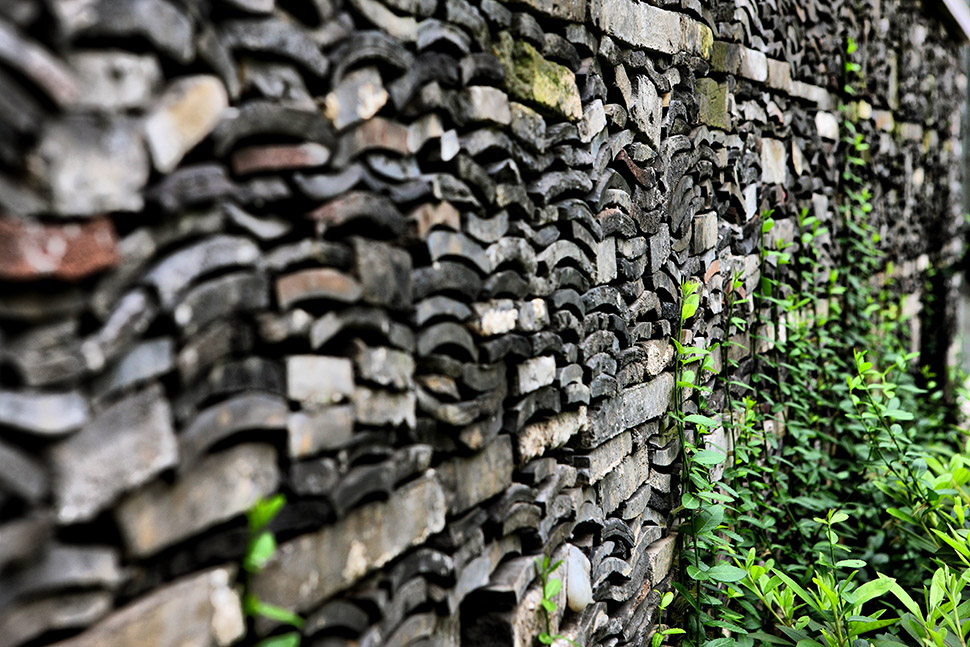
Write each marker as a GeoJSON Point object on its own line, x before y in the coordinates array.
{"type": "Point", "coordinates": [689, 501]}
{"type": "Point", "coordinates": [850, 563]}
{"type": "Point", "coordinates": [698, 419]}
{"type": "Point", "coordinates": [695, 573]}
{"type": "Point", "coordinates": [798, 590]}
{"type": "Point", "coordinates": [552, 587]}
{"type": "Point", "coordinates": [291, 639]}
{"type": "Point", "coordinates": [277, 613]}
{"type": "Point", "coordinates": [549, 606]}
{"type": "Point", "coordinates": [546, 639]}
{"type": "Point", "coordinates": [689, 307]}
{"type": "Point", "coordinates": [260, 551]}
{"type": "Point", "coordinates": [265, 510]}
{"type": "Point", "coordinates": [709, 457]}
{"type": "Point", "coordinates": [838, 517]}
{"type": "Point", "coordinates": [898, 414]}
{"type": "Point", "coordinates": [871, 590]}
{"type": "Point", "coordinates": [726, 573]}
{"type": "Point", "coordinates": [937, 588]}
{"type": "Point", "coordinates": [903, 597]}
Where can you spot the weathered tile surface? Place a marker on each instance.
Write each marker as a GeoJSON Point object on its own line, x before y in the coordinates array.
{"type": "Point", "coordinates": [417, 265]}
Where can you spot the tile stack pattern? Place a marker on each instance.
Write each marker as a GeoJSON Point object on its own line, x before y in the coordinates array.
{"type": "Point", "coordinates": [414, 263]}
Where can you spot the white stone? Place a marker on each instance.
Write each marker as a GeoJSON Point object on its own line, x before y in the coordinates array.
{"type": "Point", "coordinates": [358, 97]}
{"type": "Point", "coordinates": [827, 125]}
{"type": "Point", "coordinates": [750, 201]}
{"type": "Point", "coordinates": [190, 109]}
{"type": "Point", "coordinates": [495, 317]}
{"type": "Point", "coordinates": [533, 315]}
{"type": "Point", "coordinates": [115, 80]}
{"type": "Point", "coordinates": [484, 103]}
{"type": "Point", "coordinates": [754, 65]}
{"type": "Point", "coordinates": [536, 373]}
{"type": "Point", "coordinates": [450, 146]}
{"type": "Point", "coordinates": [579, 588]}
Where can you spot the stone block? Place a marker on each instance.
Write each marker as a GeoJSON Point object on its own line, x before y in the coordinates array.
{"type": "Point", "coordinates": [531, 78]}
{"type": "Point", "coordinates": [494, 317]}
{"type": "Point", "coordinates": [25, 620]}
{"type": "Point", "coordinates": [21, 474]}
{"type": "Point", "coordinates": [606, 260]}
{"type": "Point", "coordinates": [593, 122]}
{"type": "Point", "coordinates": [779, 76]}
{"type": "Point", "coordinates": [221, 487]}
{"type": "Point", "coordinates": [30, 251]}
{"type": "Point", "coordinates": [378, 407]}
{"type": "Point", "coordinates": [44, 413]}
{"type": "Point", "coordinates": [318, 380]}
{"type": "Point", "coordinates": [643, 25]}
{"type": "Point", "coordinates": [22, 539]}
{"type": "Point", "coordinates": [536, 438]}
{"type": "Point", "coordinates": [65, 567]}
{"type": "Point", "coordinates": [115, 80]}
{"type": "Point", "coordinates": [482, 103]}
{"type": "Point", "coordinates": [647, 401]}
{"type": "Point", "coordinates": [705, 232]}
{"type": "Point", "coordinates": [714, 104]}
{"type": "Point", "coordinates": [535, 373]}
{"type": "Point", "coordinates": [659, 354]}
{"type": "Point", "coordinates": [733, 58]}
{"type": "Point", "coordinates": [321, 429]}
{"type": "Point", "coordinates": [571, 10]}
{"type": "Point", "coordinates": [200, 610]}
{"type": "Point", "coordinates": [774, 161]}
{"type": "Point", "coordinates": [603, 459]}
{"type": "Point", "coordinates": [384, 272]}
{"type": "Point", "coordinates": [143, 362]}
{"type": "Point", "coordinates": [622, 481]}
{"type": "Point", "coordinates": [124, 446]}
{"type": "Point", "coordinates": [314, 566]}
{"type": "Point", "coordinates": [93, 166]}
{"type": "Point", "coordinates": [659, 249]}
{"type": "Point", "coordinates": [385, 366]}
{"type": "Point", "coordinates": [467, 481]}
{"type": "Point", "coordinates": [646, 109]}
{"type": "Point", "coordinates": [659, 557]}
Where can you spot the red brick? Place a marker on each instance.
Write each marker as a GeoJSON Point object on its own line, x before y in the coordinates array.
{"type": "Point", "coordinates": [30, 250]}
{"type": "Point", "coordinates": [277, 158]}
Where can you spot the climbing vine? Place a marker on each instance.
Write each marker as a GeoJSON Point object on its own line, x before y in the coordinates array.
{"type": "Point", "coordinates": [831, 510]}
